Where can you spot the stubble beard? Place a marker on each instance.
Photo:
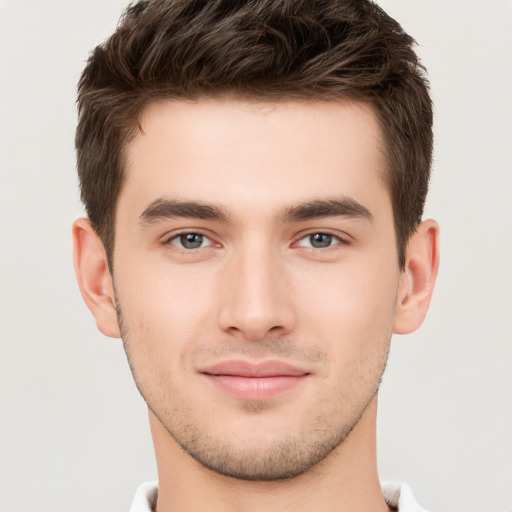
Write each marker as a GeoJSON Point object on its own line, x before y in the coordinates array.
{"type": "Point", "coordinates": [285, 458]}
{"type": "Point", "coordinates": [279, 460]}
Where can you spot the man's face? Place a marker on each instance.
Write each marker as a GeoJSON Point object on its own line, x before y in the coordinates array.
{"type": "Point", "coordinates": [256, 277]}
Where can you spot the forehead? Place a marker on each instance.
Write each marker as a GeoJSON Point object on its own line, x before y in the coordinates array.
{"type": "Point", "coordinates": [243, 153]}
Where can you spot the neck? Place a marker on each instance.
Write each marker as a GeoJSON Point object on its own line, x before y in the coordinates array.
{"type": "Point", "coordinates": [345, 480]}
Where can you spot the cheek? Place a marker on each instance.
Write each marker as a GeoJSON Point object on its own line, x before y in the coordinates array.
{"type": "Point", "coordinates": [350, 306]}
{"type": "Point", "coordinates": [164, 317]}
{"type": "Point", "coordinates": [165, 310]}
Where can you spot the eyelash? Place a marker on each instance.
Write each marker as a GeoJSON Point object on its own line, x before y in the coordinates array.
{"type": "Point", "coordinates": [340, 240]}
{"type": "Point", "coordinates": [183, 250]}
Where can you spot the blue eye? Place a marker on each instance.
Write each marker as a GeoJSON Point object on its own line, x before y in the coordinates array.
{"type": "Point", "coordinates": [190, 241]}
{"type": "Point", "coordinates": [319, 240]}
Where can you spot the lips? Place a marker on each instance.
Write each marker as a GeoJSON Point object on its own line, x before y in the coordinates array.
{"type": "Point", "coordinates": [252, 381]}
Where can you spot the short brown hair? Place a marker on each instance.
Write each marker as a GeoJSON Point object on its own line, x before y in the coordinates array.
{"type": "Point", "coordinates": [268, 49]}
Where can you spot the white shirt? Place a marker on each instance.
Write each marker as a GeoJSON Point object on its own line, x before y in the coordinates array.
{"type": "Point", "coordinates": [397, 495]}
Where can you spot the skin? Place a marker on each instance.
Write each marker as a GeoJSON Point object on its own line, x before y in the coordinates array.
{"type": "Point", "coordinates": [258, 287]}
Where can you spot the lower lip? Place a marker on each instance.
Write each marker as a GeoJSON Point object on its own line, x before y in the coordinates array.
{"type": "Point", "coordinates": [256, 388]}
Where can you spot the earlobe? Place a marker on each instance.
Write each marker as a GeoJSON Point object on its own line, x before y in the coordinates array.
{"type": "Point", "coordinates": [94, 279]}
{"type": "Point", "coordinates": [418, 278]}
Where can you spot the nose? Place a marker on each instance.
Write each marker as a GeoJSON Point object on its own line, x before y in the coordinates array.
{"type": "Point", "coordinates": [256, 297]}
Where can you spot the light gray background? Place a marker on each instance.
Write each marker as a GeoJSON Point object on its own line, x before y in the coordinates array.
{"type": "Point", "coordinates": [74, 433]}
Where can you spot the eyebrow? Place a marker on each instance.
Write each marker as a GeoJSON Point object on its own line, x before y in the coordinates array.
{"type": "Point", "coordinates": [338, 207]}
{"type": "Point", "coordinates": [162, 209]}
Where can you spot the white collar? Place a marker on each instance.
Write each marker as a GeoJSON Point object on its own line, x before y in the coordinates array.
{"type": "Point", "coordinates": [400, 496]}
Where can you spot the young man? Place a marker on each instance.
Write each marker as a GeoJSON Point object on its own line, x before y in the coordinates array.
{"type": "Point", "coordinates": [254, 175]}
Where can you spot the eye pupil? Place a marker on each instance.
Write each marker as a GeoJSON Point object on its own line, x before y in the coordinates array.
{"type": "Point", "coordinates": [320, 240]}
{"type": "Point", "coordinates": [191, 240]}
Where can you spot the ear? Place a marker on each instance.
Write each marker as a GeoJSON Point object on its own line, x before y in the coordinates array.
{"type": "Point", "coordinates": [418, 278]}
{"type": "Point", "coordinates": [94, 279]}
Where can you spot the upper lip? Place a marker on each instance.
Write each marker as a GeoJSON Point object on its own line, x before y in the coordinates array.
{"type": "Point", "coordinates": [241, 368]}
